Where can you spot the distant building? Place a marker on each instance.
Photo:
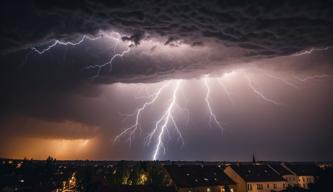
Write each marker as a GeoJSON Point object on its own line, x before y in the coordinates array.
{"type": "Point", "coordinates": [200, 178]}
{"type": "Point", "coordinates": [286, 174]}
{"type": "Point", "coordinates": [255, 178]}
{"type": "Point", "coordinates": [306, 174]}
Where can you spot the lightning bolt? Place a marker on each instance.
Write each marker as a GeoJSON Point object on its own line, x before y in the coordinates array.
{"type": "Point", "coordinates": [286, 82]}
{"type": "Point", "coordinates": [212, 116]}
{"type": "Point", "coordinates": [261, 95]}
{"type": "Point", "coordinates": [65, 43]}
{"type": "Point", "coordinates": [133, 128]}
{"type": "Point", "coordinates": [323, 76]}
{"type": "Point", "coordinates": [99, 67]}
{"type": "Point", "coordinates": [226, 90]}
{"type": "Point", "coordinates": [305, 52]}
{"type": "Point", "coordinates": [81, 40]}
{"type": "Point", "coordinates": [161, 125]}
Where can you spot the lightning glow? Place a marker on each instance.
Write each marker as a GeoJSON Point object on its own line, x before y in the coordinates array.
{"type": "Point", "coordinates": [212, 116]}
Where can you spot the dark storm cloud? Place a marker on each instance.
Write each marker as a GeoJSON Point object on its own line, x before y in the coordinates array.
{"type": "Point", "coordinates": [266, 28]}
{"type": "Point", "coordinates": [41, 93]}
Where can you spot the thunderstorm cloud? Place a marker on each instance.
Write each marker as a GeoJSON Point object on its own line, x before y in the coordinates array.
{"type": "Point", "coordinates": [62, 94]}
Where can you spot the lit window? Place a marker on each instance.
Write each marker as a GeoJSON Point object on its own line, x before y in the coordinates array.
{"type": "Point", "coordinates": [249, 187]}
{"type": "Point", "coordinates": [260, 186]}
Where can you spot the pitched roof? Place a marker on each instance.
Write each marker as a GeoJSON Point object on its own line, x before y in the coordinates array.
{"type": "Point", "coordinates": [256, 173]}
{"type": "Point", "coordinates": [305, 169]}
{"type": "Point", "coordinates": [280, 169]}
{"type": "Point", "coordinates": [127, 188]}
{"type": "Point", "coordinates": [197, 175]}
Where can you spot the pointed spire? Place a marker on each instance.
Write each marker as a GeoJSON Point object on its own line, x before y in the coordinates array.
{"type": "Point", "coordinates": [253, 159]}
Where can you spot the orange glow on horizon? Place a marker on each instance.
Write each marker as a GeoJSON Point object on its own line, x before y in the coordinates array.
{"type": "Point", "coordinates": [38, 148]}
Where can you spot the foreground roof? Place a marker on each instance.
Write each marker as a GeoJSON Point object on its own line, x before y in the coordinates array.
{"type": "Point", "coordinates": [256, 173]}
{"type": "Point", "coordinates": [306, 169]}
{"type": "Point", "coordinates": [281, 170]}
{"type": "Point", "coordinates": [198, 175]}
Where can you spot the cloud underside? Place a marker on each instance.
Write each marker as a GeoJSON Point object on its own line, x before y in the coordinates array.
{"type": "Point", "coordinates": [266, 28]}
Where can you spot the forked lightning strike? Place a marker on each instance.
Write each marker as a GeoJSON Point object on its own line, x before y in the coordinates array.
{"type": "Point", "coordinates": [162, 124]}
{"type": "Point", "coordinates": [133, 128]}
{"type": "Point", "coordinates": [212, 116]}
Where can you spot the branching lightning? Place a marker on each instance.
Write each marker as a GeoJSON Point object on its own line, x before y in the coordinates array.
{"type": "Point", "coordinates": [83, 39]}
{"type": "Point", "coordinates": [162, 124]}
{"type": "Point", "coordinates": [109, 63]}
{"type": "Point", "coordinates": [260, 94]}
{"type": "Point", "coordinates": [133, 128]}
{"type": "Point", "coordinates": [212, 116]}
{"type": "Point", "coordinates": [226, 90]}
{"type": "Point", "coordinates": [284, 81]}
{"type": "Point", "coordinates": [65, 43]}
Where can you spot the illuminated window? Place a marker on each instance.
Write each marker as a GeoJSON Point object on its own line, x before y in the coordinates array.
{"type": "Point", "coordinates": [249, 187]}
{"type": "Point", "coordinates": [260, 186]}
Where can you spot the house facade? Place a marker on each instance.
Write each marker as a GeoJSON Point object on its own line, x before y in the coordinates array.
{"type": "Point", "coordinates": [306, 174]}
{"type": "Point", "coordinates": [285, 173]}
{"type": "Point", "coordinates": [255, 178]}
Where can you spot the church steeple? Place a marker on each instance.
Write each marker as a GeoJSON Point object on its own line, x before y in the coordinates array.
{"type": "Point", "coordinates": [253, 159]}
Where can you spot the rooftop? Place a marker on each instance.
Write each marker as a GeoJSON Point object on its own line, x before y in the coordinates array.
{"type": "Point", "coordinates": [256, 173]}
{"type": "Point", "coordinates": [198, 175]}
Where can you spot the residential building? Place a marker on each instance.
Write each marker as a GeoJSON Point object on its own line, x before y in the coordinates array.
{"type": "Point", "coordinates": [255, 178]}
{"type": "Point", "coordinates": [285, 173]}
{"type": "Point", "coordinates": [306, 173]}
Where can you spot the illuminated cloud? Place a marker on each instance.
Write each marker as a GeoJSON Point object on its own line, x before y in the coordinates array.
{"type": "Point", "coordinates": [20, 126]}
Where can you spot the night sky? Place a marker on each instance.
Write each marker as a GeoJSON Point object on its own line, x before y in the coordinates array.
{"type": "Point", "coordinates": [219, 80]}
